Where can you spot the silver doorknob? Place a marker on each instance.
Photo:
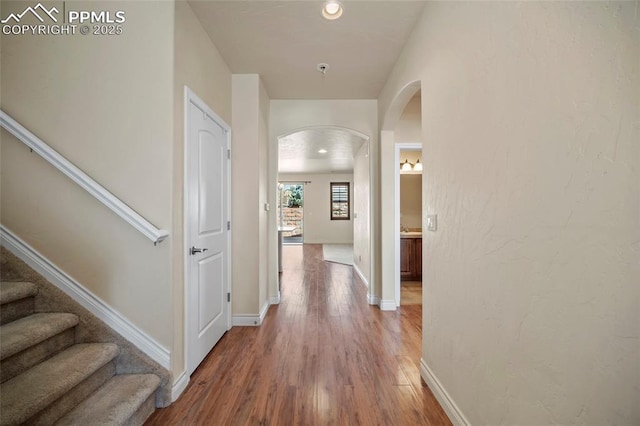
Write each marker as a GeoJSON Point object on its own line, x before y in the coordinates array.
{"type": "Point", "coordinates": [195, 250]}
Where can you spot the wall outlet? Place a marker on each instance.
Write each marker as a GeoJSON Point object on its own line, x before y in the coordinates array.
{"type": "Point", "coordinates": [432, 222]}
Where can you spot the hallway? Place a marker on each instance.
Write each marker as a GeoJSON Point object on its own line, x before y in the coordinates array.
{"type": "Point", "coordinates": [323, 356]}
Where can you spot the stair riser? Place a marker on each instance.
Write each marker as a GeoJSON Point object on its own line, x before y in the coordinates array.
{"type": "Point", "coordinates": [72, 398]}
{"type": "Point", "coordinates": [144, 412]}
{"type": "Point", "coordinates": [22, 361]}
{"type": "Point", "coordinates": [17, 309]}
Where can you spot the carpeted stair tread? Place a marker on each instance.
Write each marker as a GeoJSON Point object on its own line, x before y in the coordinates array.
{"type": "Point", "coordinates": [30, 392]}
{"type": "Point", "coordinates": [23, 333]}
{"type": "Point", "coordinates": [11, 291]}
{"type": "Point", "coordinates": [115, 402]}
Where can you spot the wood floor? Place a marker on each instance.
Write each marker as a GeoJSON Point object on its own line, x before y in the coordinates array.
{"type": "Point", "coordinates": [321, 357]}
{"type": "Point", "coordinates": [411, 293]}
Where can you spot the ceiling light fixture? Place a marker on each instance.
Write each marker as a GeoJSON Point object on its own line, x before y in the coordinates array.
{"type": "Point", "coordinates": [332, 10]}
{"type": "Point", "coordinates": [322, 151]}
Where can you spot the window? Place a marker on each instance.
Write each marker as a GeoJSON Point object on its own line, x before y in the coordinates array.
{"type": "Point", "coordinates": [340, 201]}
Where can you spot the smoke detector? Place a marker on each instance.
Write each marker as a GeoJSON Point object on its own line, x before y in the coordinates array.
{"type": "Point", "coordinates": [322, 67]}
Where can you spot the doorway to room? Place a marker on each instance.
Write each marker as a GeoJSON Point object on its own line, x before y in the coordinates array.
{"type": "Point", "coordinates": [408, 205]}
{"type": "Point", "coordinates": [291, 212]}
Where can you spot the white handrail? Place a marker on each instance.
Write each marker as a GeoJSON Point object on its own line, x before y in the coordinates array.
{"type": "Point", "coordinates": [81, 178]}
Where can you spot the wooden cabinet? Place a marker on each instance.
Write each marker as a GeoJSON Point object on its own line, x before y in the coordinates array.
{"type": "Point", "coordinates": [411, 259]}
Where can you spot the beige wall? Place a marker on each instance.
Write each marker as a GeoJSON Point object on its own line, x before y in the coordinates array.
{"type": "Point", "coordinates": [264, 184]}
{"type": "Point", "coordinates": [106, 107]}
{"type": "Point", "coordinates": [409, 127]}
{"type": "Point", "coordinates": [361, 207]}
{"type": "Point", "coordinates": [358, 115]}
{"type": "Point", "coordinates": [530, 129]}
{"type": "Point", "coordinates": [318, 226]}
{"type": "Point", "coordinates": [198, 65]}
{"type": "Point", "coordinates": [411, 201]}
{"type": "Point", "coordinates": [249, 218]}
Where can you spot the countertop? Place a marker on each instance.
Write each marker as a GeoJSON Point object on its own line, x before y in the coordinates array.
{"type": "Point", "coordinates": [411, 234]}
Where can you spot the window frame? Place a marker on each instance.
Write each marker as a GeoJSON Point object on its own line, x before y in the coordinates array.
{"type": "Point", "coordinates": [348, 201]}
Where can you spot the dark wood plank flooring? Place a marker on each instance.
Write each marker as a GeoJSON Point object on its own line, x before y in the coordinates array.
{"type": "Point", "coordinates": [321, 357]}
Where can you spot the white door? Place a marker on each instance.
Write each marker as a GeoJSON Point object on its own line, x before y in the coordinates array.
{"type": "Point", "coordinates": [206, 236]}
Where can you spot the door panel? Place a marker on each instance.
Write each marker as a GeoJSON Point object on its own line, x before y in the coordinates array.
{"type": "Point", "coordinates": [210, 291]}
{"type": "Point", "coordinates": [207, 213]}
{"type": "Point", "coordinates": [211, 165]}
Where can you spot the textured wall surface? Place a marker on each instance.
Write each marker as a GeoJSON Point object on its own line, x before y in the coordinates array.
{"type": "Point", "coordinates": [531, 146]}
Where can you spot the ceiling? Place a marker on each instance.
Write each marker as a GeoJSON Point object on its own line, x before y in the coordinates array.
{"type": "Point", "coordinates": [298, 152]}
{"type": "Point", "coordinates": [283, 41]}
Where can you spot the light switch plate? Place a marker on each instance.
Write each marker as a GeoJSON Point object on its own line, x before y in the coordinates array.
{"type": "Point", "coordinates": [432, 222]}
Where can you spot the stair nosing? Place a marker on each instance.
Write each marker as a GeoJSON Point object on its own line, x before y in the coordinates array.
{"type": "Point", "coordinates": [63, 377]}
{"type": "Point", "coordinates": [28, 289]}
{"type": "Point", "coordinates": [50, 324]}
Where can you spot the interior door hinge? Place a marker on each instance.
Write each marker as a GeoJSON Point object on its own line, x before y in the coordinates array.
{"type": "Point", "coordinates": [228, 225]}
{"type": "Point", "coordinates": [228, 297]}
{"type": "Point", "coordinates": [229, 154]}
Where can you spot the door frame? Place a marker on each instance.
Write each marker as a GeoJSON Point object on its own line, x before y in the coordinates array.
{"type": "Point", "coordinates": [407, 146]}
{"type": "Point", "coordinates": [189, 98]}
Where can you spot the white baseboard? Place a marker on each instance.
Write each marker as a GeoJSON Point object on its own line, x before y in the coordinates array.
{"type": "Point", "coordinates": [361, 275]}
{"type": "Point", "coordinates": [372, 299]}
{"type": "Point", "coordinates": [179, 386]}
{"type": "Point", "coordinates": [275, 300]}
{"type": "Point", "coordinates": [388, 305]}
{"type": "Point", "coordinates": [251, 320]}
{"type": "Point", "coordinates": [85, 298]}
{"type": "Point", "coordinates": [445, 400]}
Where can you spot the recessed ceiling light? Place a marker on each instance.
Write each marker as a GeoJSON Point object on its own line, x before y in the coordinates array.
{"type": "Point", "coordinates": [332, 9]}
{"type": "Point", "coordinates": [322, 151]}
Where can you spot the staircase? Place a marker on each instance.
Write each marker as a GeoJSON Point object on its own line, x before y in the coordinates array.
{"type": "Point", "coordinates": [47, 378]}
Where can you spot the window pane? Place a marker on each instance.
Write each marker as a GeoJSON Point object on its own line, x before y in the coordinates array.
{"type": "Point", "coordinates": [340, 202]}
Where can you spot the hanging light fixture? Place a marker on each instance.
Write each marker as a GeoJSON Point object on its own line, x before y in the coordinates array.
{"type": "Point", "coordinates": [406, 166]}
{"type": "Point", "coordinates": [418, 166]}
{"type": "Point", "coordinates": [332, 10]}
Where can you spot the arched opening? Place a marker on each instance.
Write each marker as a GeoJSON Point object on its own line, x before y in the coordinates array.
{"type": "Point", "coordinates": [318, 159]}
{"type": "Point", "coordinates": [398, 132]}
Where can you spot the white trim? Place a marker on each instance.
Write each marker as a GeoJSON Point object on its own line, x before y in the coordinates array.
{"type": "Point", "coordinates": [415, 146]}
{"type": "Point", "coordinates": [373, 299]}
{"type": "Point", "coordinates": [251, 320]}
{"type": "Point", "coordinates": [189, 98]}
{"type": "Point", "coordinates": [275, 300]}
{"type": "Point", "coordinates": [179, 386]}
{"type": "Point", "coordinates": [81, 178]}
{"type": "Point", "coordinates": [388, 305]}
{"type": "Point", "coordinates": [84, 297]}
{"type": "Point", "coordinates": [361, 275]}
{"type": "Point", "coordinates": [448, 404]}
